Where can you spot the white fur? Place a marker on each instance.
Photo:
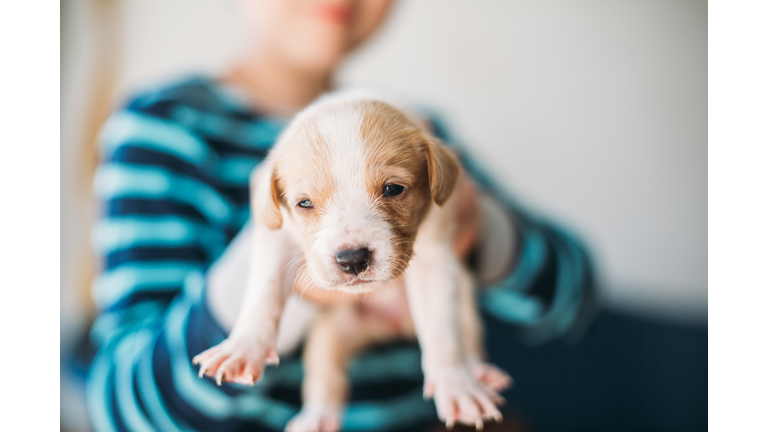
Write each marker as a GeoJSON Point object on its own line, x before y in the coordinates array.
{"type": "Point", "coordinates": [448, 329]}
{"type": "Point", "coordinates": [350, 221]}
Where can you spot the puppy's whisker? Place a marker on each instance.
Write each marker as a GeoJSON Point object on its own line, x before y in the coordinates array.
{"type": "Point", "coordinates": [300, 275]}
{"type": "Point", "coordinates": [296, 257]}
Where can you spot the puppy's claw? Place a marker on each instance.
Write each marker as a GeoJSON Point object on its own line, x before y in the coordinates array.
{"type": "Point", "coordinates": [272, 357]}
{"type": "Point", "coordinates": [427, 395]}
{"type": "Point", "coordinates": [429, 391]}
{"type": "Point", "coordinates": [202, 372]}
{"type": "Point", "coordinates": [498, 417]}
{"type": "Point", "coordinates": [449, 424]}
{"type": "Point", "coordinates": [479, 425]}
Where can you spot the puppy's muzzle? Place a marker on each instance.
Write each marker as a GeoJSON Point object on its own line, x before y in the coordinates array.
{"type": "Point", "coordinates": [353, 261]}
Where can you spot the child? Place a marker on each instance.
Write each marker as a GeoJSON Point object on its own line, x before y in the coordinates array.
{"type": "Point", "coordinates": [174, 189]}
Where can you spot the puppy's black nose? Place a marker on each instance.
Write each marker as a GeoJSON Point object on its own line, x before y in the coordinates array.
{"type": "Point", "coordinates": [353, 261]}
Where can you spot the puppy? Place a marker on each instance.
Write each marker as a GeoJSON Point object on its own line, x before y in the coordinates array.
{"type": "Point", "coordinates": [362, 195]}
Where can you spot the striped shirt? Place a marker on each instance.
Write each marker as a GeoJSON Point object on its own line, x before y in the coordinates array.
{"type": "Point", "coordinates": [174, 191]}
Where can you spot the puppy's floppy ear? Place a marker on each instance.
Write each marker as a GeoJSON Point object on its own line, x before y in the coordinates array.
{"type": "Point", "coordinates": [265, 196]}
{"type": "Point", "coordinates": [443, 169]}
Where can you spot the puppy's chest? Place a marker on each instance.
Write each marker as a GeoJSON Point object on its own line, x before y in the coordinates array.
{"type": "Point", "coordinates": [389, 303]}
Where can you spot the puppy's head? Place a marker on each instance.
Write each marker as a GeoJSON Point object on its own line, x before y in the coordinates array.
{"type": "Point", "coordinates": [356, 177]}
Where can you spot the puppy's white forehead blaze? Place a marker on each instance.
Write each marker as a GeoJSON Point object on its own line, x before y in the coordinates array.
{"type": "Point", "coordinates": [350, 219]}
{"type": "Point", "coordinates": [346, 155]}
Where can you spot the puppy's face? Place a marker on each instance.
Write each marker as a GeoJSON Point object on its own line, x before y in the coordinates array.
{"type": "Point", "coordinates": [357, 178]}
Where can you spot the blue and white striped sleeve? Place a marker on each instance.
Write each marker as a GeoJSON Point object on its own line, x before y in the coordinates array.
{"type": "Point", "coordinates": [162, 219]}
{"type": "Point", "coordinates": [160, 210]}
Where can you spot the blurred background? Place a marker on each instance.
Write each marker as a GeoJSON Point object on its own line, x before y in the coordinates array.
{"type": "Point", "coordinates": [592, 112]}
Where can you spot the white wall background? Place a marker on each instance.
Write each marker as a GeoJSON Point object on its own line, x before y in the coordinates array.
{"type": "Point", "coordinates": [593, 112]}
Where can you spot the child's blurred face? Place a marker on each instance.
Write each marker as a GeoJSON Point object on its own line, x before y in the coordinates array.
{"type": "Point", "coordinates": [313, 34]}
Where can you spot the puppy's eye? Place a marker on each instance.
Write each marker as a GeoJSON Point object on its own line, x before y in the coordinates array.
{"type": "Point", "coordinates": [305, 203]}
{"type": "Point", "coordinates": [392, 190]}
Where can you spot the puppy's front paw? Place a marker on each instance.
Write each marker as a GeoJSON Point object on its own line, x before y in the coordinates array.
{"type": "Point", "coordinates": [315, 419]}
{"type": "Point", "coordinates": [236, 360]}
{"type": "Point", "coordinates": [460, 397]}
{"type": "Point", "coordinates": [491, 376]}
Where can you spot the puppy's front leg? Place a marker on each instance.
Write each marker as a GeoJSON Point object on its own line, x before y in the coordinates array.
{"type": "Point", "coordinates": [472, 338]}
{"type": "Point", "coordinates": [241, 358]}
{"type": "Point", "coordinates": [433, 287]}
